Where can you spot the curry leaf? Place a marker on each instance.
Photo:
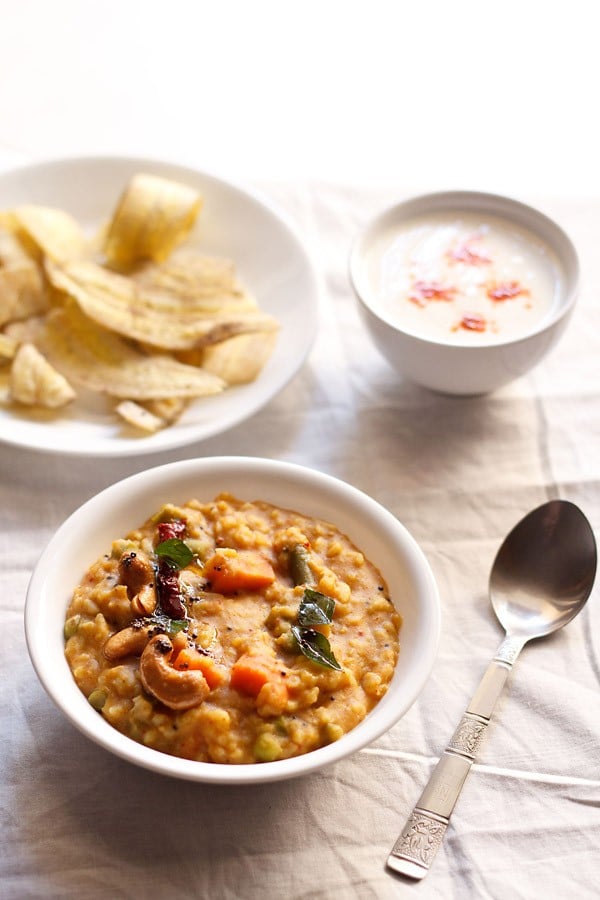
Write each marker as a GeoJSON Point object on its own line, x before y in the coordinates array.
{"type": "Point", "coordinates": [315, 609]}
{"type": "Point", "coordinates": [176, 552]}
{"type": "Point", "coordinates": [165, 624]}
{"type": "Point", "coordinates": [315, 647]}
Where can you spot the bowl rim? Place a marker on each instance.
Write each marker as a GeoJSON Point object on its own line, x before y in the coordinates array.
{"type": "Point", "coordinates": [105, 735]}
{"type": "Point", "coordinates": [500, 205]}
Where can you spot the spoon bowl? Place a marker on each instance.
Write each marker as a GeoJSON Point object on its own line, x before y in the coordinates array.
{"type": "Point", "coordinates": [544, 571]}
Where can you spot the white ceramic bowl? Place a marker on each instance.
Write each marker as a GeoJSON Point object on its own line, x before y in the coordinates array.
{"type": "Point", "coordinates": [457, 368]}
{"type": "Point", "coordinates": [88, 532]}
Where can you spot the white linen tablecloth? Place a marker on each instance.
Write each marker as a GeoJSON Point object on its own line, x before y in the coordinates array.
{"type": "Point", "coordinates": [459, 472]}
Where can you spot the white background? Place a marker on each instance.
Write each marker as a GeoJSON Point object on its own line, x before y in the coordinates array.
{"type": "Point", "coordinates": [420, 95]}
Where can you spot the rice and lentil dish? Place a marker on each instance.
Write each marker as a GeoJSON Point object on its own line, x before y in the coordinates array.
{"type": "Point", "coordinates": [232, 632]}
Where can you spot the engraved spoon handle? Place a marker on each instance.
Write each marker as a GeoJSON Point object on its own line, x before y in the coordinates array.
{"type": "Point", "coordinates": [422, 836]}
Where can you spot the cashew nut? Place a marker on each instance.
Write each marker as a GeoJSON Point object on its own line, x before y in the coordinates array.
{"type": "Point", "coordinates": [135, 571]}
{"type": "Point", "coordinates": [127, 642]}
{"type": "Point", "coordinates": [144, 602]}
{"type": "Point", "coordinates": [177, 689]}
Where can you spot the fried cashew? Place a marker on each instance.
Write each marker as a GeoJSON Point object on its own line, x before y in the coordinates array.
{"type": "Point", "coordinates": [127, 642]}
{"type": "Point", "coordinates": [144, 602]}
{"type": "Point", "coordinates": [177, 689]}
{"type": "Point", "coordinates": [135, 571]}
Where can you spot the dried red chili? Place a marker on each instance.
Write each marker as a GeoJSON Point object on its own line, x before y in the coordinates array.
{"type": "Point", "coordinates": [169, 530]}
{"type": "Point", "coordinates": [168, 591]}
{"type": "Point", "coordinates": [167, 578]}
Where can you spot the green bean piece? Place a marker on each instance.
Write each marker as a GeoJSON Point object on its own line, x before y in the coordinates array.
{"type": "Point", "coordinates": [97, 699]}
{"type": "Point", "coordinates": [71, 626]}
{"type": "Point", "coordinates": [299, 565]}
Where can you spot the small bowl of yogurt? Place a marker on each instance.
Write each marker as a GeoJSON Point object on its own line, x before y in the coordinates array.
{"type": "Point", "coordinates": [462, 291]}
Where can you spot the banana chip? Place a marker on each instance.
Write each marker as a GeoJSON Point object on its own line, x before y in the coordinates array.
{"type": "Point", "coordinates": [96, 358]}
{"type": "Point", "coordinates": [26, 330]}
{"type": "Point", "coordinates": [12, 251]}
{"type": "Point", "coordinates": [153, 216]}
{"type": "Point", "coordinates": [22, 291]}
{"type": "Point", "coordinates": [34, 382]}
{"type": "Point", "coordinates": [239, 359]}
{"type": "Point", "coordinates": [53, 232]}
{"type": "Point", "coordinates": [196, 281]}
{"type": "Point", "coordinates": [139, 416]}
{"type": "Point", "coordinates": [152, 317]}
{"type": "Point", "coordinates": [8, 347]}
{"type": "Point", "coordinates": [169, 409]}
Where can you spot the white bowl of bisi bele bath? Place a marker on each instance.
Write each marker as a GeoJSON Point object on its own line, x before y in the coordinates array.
{"type": "Point", "coordinates": [232, 620]}
{"type": "Point", "coordinates": [462, 291]}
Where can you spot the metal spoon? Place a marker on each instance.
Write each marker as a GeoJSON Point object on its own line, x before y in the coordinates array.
{"type": "Point", "coordinates": [541, 578]}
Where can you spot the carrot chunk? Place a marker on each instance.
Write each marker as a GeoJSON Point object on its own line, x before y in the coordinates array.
{"type": "Point", "coordinates": [251, 673]}
{"type": "Point", "coordinates": [234, 570]}
{"type": "Point", "coordinates": [188, 658]}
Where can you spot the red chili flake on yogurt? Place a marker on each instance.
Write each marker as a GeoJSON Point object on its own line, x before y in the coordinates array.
{"type": "Point", "coordinates": [422, 291]}
{"type": "Point", "coordinates": [465, 253]}
{"type": "Point", "coordinates": [505, 290]}
{"type": "Point", "coordinates": [473, 322]}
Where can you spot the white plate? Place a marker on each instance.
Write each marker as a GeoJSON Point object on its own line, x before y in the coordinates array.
{"type": "Point", "coordinates": [270, 260]}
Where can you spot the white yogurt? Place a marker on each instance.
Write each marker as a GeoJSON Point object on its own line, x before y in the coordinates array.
{"type": "Point", "coordinates": [463, 277]}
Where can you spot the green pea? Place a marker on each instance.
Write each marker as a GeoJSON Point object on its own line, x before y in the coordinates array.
{"type": "Point", "coordinates": [280, 725]}
{"type": "Point", "coordinates": [71, 626]}
{"type": "Point", "coordinates": [289, 642]}
{"type": "Point", "coordinates": [97, 699]}
{"type": "Point", "coordinates": [266, 748]}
